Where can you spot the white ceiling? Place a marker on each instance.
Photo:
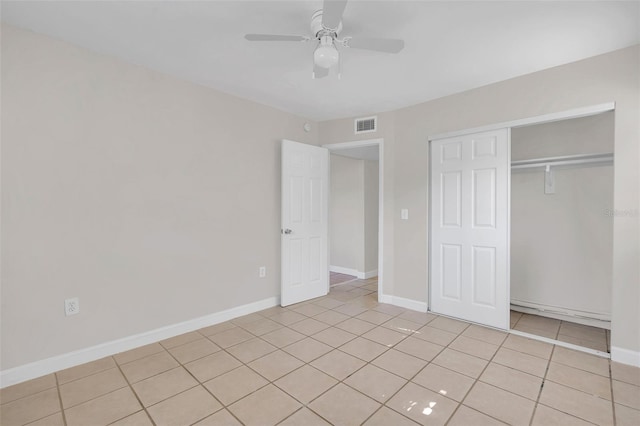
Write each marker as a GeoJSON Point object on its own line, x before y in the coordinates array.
{"type": "Point", "coordinates": [450, 46]}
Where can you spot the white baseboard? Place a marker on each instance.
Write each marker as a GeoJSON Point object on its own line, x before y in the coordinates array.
{"type": "Point", "coordinates": [414, 305]}
{"type": "Point", "coordinates": [354, 272]}
{"type": "Point", "coordinates": [60, 362]}
{"type": "Point", "coordinates": [595, 319]}
{"type": "Point", "coordinates": [625, 356]}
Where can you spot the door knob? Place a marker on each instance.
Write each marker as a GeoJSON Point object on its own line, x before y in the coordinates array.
{"type": "Point", "coordinates": [287, 231]}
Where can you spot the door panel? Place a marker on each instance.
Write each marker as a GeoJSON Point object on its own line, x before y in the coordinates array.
{"type": "Point", "coordinates": [469, 227]}
{"type": "Point", "coordinates": [304, 233]}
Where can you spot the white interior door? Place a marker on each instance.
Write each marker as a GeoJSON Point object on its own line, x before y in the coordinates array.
{"type": "Point", "coordinates": [470, 227]}
{"type": "Point", "coordinates": [304, 233]}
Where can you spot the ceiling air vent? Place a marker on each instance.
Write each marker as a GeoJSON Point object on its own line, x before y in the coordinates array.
{"type": "Point", "coordinates": [365, 125]}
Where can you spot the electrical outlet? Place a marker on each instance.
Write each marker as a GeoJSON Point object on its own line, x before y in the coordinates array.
{"type": "Point", "coordinates": [262, 271]}
{"type": "Point", "coordinates": [71, 306]}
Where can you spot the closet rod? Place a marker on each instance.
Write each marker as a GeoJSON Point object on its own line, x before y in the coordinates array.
{"type": "Point", "coordinates": [603, 158]}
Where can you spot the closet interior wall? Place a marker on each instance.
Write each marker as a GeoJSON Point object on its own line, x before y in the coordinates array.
{"type": "Point", "coordinates": [562, 243]}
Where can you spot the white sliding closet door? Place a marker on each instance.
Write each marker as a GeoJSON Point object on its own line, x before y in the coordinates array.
{"type": "Point", "coordinates": [469, 267]}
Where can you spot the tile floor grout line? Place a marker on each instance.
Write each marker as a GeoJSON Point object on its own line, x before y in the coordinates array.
{"type": "Point", "coordinates": [613, 404]}
{"type": "Point", "coordinates": [135, 394]}
{"type": "Point", "coordinates": [64, 416]}
{"type": "Point", "coordinates": [544, 380]}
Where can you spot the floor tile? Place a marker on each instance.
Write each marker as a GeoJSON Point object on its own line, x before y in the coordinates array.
{"type": "Point", "coordinates": [11, 393]}
{"type": "Point", "coordinates": [194, 350]}
{"type": "Point", "coordinates": [435, 335]}
{"type": "Point", "coordinates": [267, 406]}
{"type": "Point", "coordinates": [104, 410]}
{"type": "Point", "coordinates": [591, 344]}
{"type": "Point", "coordinates": [387, 417]}
{"type": "Point", "coordinates": [512, 380]}
{"type": "Point", "coordinates": [217, 328]}
{"type": "Point", "coordinates": [84, 370]}
{"type": "Point", "coordinates": [163, 386]}
{"type": "Point", "coordinates": [448, 324]}
{"type": "Point", "coordinates": [581, 360]}
{"type": "Point", "coordinates": [545, 416]}
{"type": "Point", "coordinates": [138, 419]}
{"type": "Point", "coordinates": [465, 416]}
{"type": "Point", "coordinates": [251, 349]}
{"type": "Point", "coordinates": [419, 348]}
{"type": "Point", "coordinates": [268, 313]}
{"type": "Point", "coordinates": [375, 382]}
{"type": "Point", "coordinates": [262, 326]}
{"type": "Point", "coordinates": [625, 373]}
{"type": "Point", "coordinates": [402, 325]}
{"type": "Point", "coordinates": [309, 326]}
{"type": "Point", "coordinates": [399, 363]}
{"type": "Point", "coordinates": [459, 362]}
{"type": "Point", "coordinates": [474, 347]}
{"type": "Point", "coordinates": [220, 418]}
{"type": "Point", "coordinates": [350, 309]}
{"type": "Point", "coordinates": [422, 405]}
{"type": "Point", "coordinates": [626, 394]}
{"type": "Point", "coordinates": [246, 319]}
{"type": "Point", "coordinates": [328, 302]}
{"type": "Point", "coordinates": [342, 405]}
{"type": "Point", "coordinates": [304, 417]}
{"type": "Point", "coordinates": [421, 318]}
{"type": "Point", "coordinates": [235, 384]}
{"type": "Point", "coordinates": [528, 346]}
{"type": "Point", "coordinates": [384, 336]}
{"type": "Point", "coordinates": [275, 365]}
{"type": "Point", "coordinates": [185, 408]}
{"type": "Point", "coordinates": [584, 332]}
{"type": "Point", "coordinates": [334, 337]}
{"type": "Point", "coordinates": [363, 348]}
{"type": "Point", "coordinates": [584, 381]}
{"type": "Point", "coordinates": [81, 390]}
{"type": "Point", "coordinates": [212, 366]}
{"type": "Point", "coordinates": [231, 337]}
{"type": "Point", "coordinates": [626, 416]}
{"type": "Point", "coordinates": [52, 420]}
{"type": "Point", "coordinates": [577, 403]}
{"type": "Point", "coordinates": [500, 404]}
{"type": "Point", "coordinates": [521, 361]}
{"type": "Point", "coordinates": [444, 381]}
{"type": "Point", "coordinates": [310, 310]}
{"type": "Point", "coordinates": [149, 366]}
{"type": "Point", "coordinates": [283, 337]}
{"type": "Point", "coordinates": [355, 326]}
{"type": "Point", "coordinates": [181, 339]}
{"type": "Point", "coordinates": [389, 309]}
{"type": "Point", "coordinates": [338, 364]}
{"type": "Point", "coordinates": [548, 333]}
{"type": "Point", "coordinates": [305, 383]}
{"type": "Point", "coordinates": [307, 349]}
{"type": "Point", "coordinates": [287, 317]}
{"type": "Point", "coordinates": [331, 317]}
{"type": "Point", "coordinates": [485, 334]}
{"type": "Point", "coordinates": [374, 317]}
{"type": "Point", "coordinates": [30, 408]}
{"type": "Point", "coordinates": [539, 322]}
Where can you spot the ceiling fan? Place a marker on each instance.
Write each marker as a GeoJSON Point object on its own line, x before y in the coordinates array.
{"type": "Point", "coordinates": [326, 25]}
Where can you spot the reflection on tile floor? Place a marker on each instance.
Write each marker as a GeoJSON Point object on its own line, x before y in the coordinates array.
{"type": "Point", "coordinates": [564, 331]}
{"type": "Point", "coordinates": [338, 278]}
{"type": "Point", "coordinates": [343, 359]}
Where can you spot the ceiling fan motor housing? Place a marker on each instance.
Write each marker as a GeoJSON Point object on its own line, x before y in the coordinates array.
{"type": "Point", "coordinates": [318, 30]}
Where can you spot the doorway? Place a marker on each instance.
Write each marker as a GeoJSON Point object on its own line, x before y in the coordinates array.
{"type": "Point", "coordinates": [355, 216]}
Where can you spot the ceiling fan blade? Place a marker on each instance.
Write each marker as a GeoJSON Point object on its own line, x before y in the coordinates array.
{"type": "Point", "coordinates": [275, 37]}
{"type": "Point", "coordinates": [389, 45]}
{"type": "Point", "coordinates": [332, 11]}
{"type": "Point", "coordinates": [319, 72]}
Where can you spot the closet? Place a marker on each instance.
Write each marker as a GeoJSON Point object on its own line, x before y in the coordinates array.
{"type": "Point", "coordinates": [561, 230]}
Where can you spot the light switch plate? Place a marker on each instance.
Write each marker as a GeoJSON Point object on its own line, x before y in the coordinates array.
{"type": "Point", "coordinates": [404, 214]}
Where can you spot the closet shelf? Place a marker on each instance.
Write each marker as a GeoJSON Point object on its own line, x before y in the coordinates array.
{"type": "Point", "coordinates": [568, 160]}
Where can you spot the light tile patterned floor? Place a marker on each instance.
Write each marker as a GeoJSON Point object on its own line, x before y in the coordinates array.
{"type": "Point", "coordinates": [343, 359]}
{"type": "Point", "coordinates": [565, 331]}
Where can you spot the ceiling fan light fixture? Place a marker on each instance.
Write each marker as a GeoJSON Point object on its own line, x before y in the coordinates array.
{"type": "Point", "coordinates": [326, 55]}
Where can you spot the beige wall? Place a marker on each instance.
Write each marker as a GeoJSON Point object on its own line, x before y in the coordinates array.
{"type": "Point", "coordinates": [562, 243]}
{"type": "Point", "coordinates": [610, 77]}
{"type": "Point", "coordinates": [346, 213]}
{"type": "Point", "coordinates": [353, 214]}
{"type": "Point", "coordinates": [132, 190]}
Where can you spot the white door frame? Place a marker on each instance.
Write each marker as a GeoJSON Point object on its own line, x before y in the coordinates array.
{"type": "Point", "coordinates": [359, 144]}
{"type": "Point", "coordinates": [540, 119]}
